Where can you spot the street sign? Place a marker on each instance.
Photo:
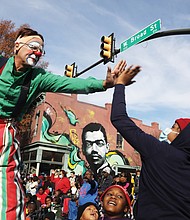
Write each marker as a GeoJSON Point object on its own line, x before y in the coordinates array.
{"type": "Point", "coordinates": [141, 35]}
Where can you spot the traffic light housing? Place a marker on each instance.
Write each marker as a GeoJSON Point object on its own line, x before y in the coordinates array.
{"type": "Point", "coordinates": [107, 48]}
{"type": "Point", "coordinates": [70, 70]}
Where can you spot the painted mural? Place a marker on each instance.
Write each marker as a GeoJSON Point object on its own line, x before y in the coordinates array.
{"type": "Point", "coordinates": [90, 149]}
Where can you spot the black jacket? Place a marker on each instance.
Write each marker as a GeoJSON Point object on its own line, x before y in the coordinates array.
{"type": "Point", "coordinates": [164, 192]}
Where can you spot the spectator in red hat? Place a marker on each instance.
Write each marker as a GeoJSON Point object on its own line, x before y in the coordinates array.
{"type": "Point", "coordinates": [182, 122]}
{"type": "Point", "coordinates": [164, 188]}
{"type": "Point", "coordinates": [169, 134]}
{"type": "Point", "coordinates": [116, 203]}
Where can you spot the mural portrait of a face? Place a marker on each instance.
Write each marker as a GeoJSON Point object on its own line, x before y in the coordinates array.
{"type": "Point", "coordinates": [94, 144]}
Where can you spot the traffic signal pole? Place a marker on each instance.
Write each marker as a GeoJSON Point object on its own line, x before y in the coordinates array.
{"type": "Point", "coordinates": [168, 33]}
{"type": "Point", "coordinates": [154, 36]}
{"type": "Point", "coordinates": [90, 67]}
{"type": "Point", "coordinates": [97, 63]}
{"type": "Point", "coordinates": [107, 52]}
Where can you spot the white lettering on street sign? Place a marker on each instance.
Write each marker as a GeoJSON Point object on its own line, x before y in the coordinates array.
{"type": "Point", "coordinates": [141, 35]}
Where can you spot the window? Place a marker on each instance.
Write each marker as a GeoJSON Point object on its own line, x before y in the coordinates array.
{"type": "Point", "coordinates": [52, 156]}
{"type": "Point", "coordinates": [119, 141]}
{"type": "Point", "coordinates": [36, 122]}
{"type": "Point", "coordinates": [25, 156]}
{"type": "Point", "coordinates": [33, 155]}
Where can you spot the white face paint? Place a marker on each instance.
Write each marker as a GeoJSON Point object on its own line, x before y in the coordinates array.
{"type": "Point", "coordinates": [32, 59]}
{"type": "Point", "coordinates": [36, 46]}
{"type": "Point", "coordinates": [37, 52]}
{"type": "Point", "coordinates": [29, 49]}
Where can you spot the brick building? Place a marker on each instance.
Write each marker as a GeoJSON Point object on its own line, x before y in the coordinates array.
{"type": "Point", "coordinates": [51, 135]}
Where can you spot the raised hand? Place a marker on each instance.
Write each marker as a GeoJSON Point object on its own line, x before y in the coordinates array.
{"type": "Point", "coordinates": [125, 77]}
{"type": "Point", "coordinates": [111, 77]}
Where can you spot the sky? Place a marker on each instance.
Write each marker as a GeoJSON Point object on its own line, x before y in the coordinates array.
{"type": "Point", "coordinates": [73, 29]}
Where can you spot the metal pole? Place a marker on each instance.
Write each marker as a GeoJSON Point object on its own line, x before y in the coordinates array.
{"type": "Point", "coordinates": [156, 35]}
{"type": "Point", "coordinates": [90, 67]}
{"type": "Point", "coordinates": [168, 33]}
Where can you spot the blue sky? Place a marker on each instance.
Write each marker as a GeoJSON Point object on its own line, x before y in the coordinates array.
{"type": "Point", "coordinates": [73, 28]}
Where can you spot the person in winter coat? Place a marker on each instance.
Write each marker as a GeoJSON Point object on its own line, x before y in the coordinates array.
{"type": "Point", "coordinates": [164, 191]}
{"type": "Point", "coordinates": [62, 182]}
{"type": "Point", "coordinates": [105, 181]}
{"type": "Point", "coordinates": [89, 189]}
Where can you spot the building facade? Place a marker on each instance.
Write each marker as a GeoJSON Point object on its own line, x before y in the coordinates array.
{"type": "Point", "coordinates": [51, 135]}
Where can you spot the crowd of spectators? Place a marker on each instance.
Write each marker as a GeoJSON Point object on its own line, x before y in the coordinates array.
{"type": "Point", "coordinates": [62, 196]}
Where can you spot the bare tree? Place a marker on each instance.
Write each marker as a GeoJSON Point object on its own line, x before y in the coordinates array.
{"type": "Point", "coordinates": [8, 33]}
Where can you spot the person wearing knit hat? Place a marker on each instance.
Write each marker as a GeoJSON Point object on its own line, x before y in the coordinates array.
{"type": "Point", "coordinates": [169, 134]}
{"type": "Point", "coordinates": [115, 202]}
{"type": "Point", "coordinates": [182, 122]}
{"type": "Point", "coordinates": [164, 189]}
{"type": "Point", "coordinates": [88, 211]}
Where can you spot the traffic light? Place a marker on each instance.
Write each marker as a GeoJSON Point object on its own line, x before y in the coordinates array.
{"type": "Point", "coordinates": [70, 70]}
{"type": "Point", "coordinates": [107, 47]}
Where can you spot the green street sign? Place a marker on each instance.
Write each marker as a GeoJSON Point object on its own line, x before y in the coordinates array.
{"type": "Point", "coordinates": [141, 35]}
